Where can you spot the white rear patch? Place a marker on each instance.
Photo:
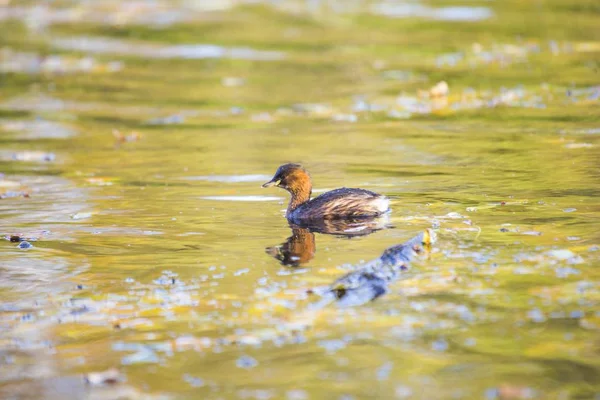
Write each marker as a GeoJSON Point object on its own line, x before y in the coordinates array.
{"type": "Point", "coordinates": [382, 204]}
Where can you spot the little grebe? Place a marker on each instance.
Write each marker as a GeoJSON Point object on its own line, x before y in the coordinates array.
{"type": "Point", "coordinates": [338, 203]}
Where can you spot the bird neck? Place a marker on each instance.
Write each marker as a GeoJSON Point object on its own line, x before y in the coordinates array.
{"type": "Point", "coordinates": [300, 195]}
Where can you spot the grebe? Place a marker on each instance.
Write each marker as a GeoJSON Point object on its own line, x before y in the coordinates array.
{"type": "Point", "coordinates": [336, 204]}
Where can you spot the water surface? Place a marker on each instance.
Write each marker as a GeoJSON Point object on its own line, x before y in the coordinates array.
{"type": "Point", "coordinates": [132, 163]}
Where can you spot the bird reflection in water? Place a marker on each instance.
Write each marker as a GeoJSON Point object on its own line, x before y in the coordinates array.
{"type": "Point", "coordinates": [300, 248]}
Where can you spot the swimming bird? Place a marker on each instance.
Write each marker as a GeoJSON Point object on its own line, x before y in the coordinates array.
{"type": "Point", "coordinates": [336, 204]}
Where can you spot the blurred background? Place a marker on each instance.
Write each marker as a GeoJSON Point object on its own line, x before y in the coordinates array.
{"type": "Point", "coordinates": [142, 254]}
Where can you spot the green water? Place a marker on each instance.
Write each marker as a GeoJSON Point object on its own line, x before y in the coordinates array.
{"type": "Point", "coordinates": [150, 252]}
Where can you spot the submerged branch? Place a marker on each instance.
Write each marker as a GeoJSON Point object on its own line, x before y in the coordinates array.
{"type": "Point", "coordinates": [372, 280]}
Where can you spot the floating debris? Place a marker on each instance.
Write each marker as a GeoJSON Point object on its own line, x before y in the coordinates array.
{"type": "Point", "coordinates": [123, 138]}
{"type": "Point", "coordinates": [565, 255]}
{"type": "Point", "coordinates": [505, 54]}
{"type": "Point", "coordinates": [501, 54]}
{"type": "Point", "coordinates": [371, 280]}
{"type": "Point", "coordinates": [246, 362]}
{"type": "Point", "coordinates": [360, 104]}
{"type": "Point", "coordinates": [12, 194]}
{"type": "Point", "coordinates": [441, 89]}
{"type": "Point", "coordinates": [142, 354]}
{"type": "Point", "coordinates": [193, 381]}
{"type": "Point", "coordinates": [592, 131]}
{"type": "Point", "coordinates": [81, 215]}
{"type": "Point", "coordinates": [242, 271]}
{"type": "Point", "coordinates": [34, 156]}
{"type": "Point", "coordinates": [438, 100]}
{"type": "Point", "coordinates": [453, 215]}
{"type": "Point", "coordinates": [532, 233]}
{"type": "Point", "coordinates": [109, 377]}
{"type": "Point", "coordinates": [24, 245]}
{"type": "Point", "coordinates": [564, 272]}
{"type": "Point", "coordinates": [16, 238]}
{"type": "Point", "coordinates": [236, 110]}
{"type": "Point", "coordinates": [536, 315]}
{"type": "Point", "coordinates": [439, 345]}
{"type": "Point", "coordinates": [332, 346]}
{"type": "Point", "coordinates": [383, 372]}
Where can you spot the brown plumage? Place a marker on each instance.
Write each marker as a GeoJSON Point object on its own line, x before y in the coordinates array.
{"type": "Point", "coordinates": [300, 248]}
{"type": "Point", "coordinates": [297, 249]}
{"type": "Point", "coordinates": [335, 204]}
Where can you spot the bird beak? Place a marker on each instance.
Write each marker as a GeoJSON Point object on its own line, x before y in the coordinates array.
{"type": "Point", "coordinates": [272, 182]}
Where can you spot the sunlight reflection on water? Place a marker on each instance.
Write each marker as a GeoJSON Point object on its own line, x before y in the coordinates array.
{"type": "Point", "coordinates": [99, 45]}
{"type": "Point", "coordinates": [412, 9]}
